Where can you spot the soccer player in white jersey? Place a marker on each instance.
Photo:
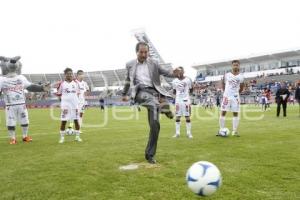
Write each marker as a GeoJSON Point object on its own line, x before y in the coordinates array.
{"type": "Point", "coordinates": [68, 92]}
{"type": "Point", "coordinates": [13, 88]}
{"type": "Point", "coordinates": [182, 87]}
{"type": "Point", "coordinates": [83, 87]}
{"type": "Point", "coordinates": [233, 84]}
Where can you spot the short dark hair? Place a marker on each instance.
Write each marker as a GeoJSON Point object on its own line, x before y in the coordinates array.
{"type": "Point", "coordinates": [67, 70]}
{"type": "Point", "coordinates": [79, 71]}
{"type": "Point", "coordinates": [181, 68]}
{"type": "Point", "coordinates": [137, 47]}
{"type": "Point", "coordinates": [235, 61]}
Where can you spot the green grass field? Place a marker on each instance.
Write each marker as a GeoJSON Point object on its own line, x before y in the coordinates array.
{"type": "Point", "coordinates": [264, 163]}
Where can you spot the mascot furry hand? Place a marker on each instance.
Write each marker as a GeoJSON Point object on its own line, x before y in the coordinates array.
{"type": "Point", "coordinates": [11, 67]}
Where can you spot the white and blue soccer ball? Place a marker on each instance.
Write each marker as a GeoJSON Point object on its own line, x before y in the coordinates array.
{"type": "Point", "coordinates": [203, 178]}
{"type": "Point", "coordinates": [224, 132]}
{"type": "Point", "coordinates": [69, 131]}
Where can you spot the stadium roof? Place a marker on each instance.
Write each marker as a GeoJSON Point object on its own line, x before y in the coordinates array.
{"type": "Point", "coordinates": [253, 59]}
{"type": "Point", "coordinates": [94, 78]}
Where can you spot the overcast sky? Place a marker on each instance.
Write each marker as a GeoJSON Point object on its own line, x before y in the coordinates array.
{"type": "Point", "coordinates": [96, 35]}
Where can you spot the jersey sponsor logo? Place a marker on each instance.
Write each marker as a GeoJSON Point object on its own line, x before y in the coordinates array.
{"type": "Point", "coordinates": [16, 88]}
{"type": "Point", "coordinates": [181, 87]}
{"type": "Point", "coordinates": [69, 91]}
{"type": "Point", "coordinates": [234, 83]}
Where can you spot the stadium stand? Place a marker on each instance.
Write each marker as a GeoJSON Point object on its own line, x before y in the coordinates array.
{"type": "Point", "coordinates": [94, 78]}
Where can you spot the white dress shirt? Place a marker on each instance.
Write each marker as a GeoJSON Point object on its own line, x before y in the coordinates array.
{"type": "Point", "coordinates": [142, 75]}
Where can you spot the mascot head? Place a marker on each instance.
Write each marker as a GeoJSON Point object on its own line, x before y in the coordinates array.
{"type": "Point", "coordinates": [10, 65]}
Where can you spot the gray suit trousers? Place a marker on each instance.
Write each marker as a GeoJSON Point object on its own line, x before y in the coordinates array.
{"type": "Point", "coordinates": [149, 98]}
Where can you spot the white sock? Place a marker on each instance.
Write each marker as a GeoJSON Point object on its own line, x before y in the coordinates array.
{"type": "Point", "coordinates": [12, 134]}
{"type": "Point", "coordinates": [222, 122]}
{"type": "Point", "coordinates": [177, 125]}
{"type": "Point", "coordinates": [188, 128]}
{"type": "Point", "coordinates": [24, 131]}
{"type": "Point", "coordinates": [62, 133]}
{"type": "Point", "coordinates": [80, 121]}
{"type": "Point", "coordinates": [235, 123]}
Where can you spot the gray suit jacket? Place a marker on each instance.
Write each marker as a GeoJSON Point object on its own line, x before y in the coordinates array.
{"type": "Point", "coordinates": [155, 70]}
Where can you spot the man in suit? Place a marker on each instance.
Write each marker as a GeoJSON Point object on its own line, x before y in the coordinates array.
{"type": "Point", "coordinates": [143, 77]}
{"type": "Point", "coordinates": [282, 95]}
{"type": "Point", "coordinates": [297, 95]}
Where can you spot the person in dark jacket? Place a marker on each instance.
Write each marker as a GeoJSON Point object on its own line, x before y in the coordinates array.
{"type": "Point", "coordinates": [282, 95]}
{"type": "Point", "coordinates": [297, 95]}
{"type": "Point", "coordinates": [101, 102]}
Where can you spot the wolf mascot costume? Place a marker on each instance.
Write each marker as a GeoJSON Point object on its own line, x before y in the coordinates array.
{"type": "Point", "coordinates": [12, 85]}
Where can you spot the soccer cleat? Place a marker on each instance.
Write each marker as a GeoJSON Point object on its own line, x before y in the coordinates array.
{"type": "Point", "coordinates": [151, 160]}
{"type": "Point", "coordinates": [13, 141]}
{"type": "Point", "coordinates": [62, 140]}
{"type": "Point", "coordinates": [190, 136]}
{"type": "Point", "coordinates": [235, 133]}
{"type": "Point", "coordinates": [176, 136]}
{"type": "Point", "coordinates": [169, 115]}
{"type": "Point", "coordinates": [78, 139]}
{"type": "Point", "coordinates": [27, 139]}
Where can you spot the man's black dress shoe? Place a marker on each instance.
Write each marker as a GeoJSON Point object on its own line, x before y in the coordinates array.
{"type": "Point", "coordinates": [151, 160]}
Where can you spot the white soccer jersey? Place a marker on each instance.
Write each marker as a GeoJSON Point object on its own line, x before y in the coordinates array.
{"type": "Point", "coordinates": [182, 88]}
{"type": "Point", "coordinates": [83, 86]}
{"type": "Point", "coordinates": [69, 92]}
{"type": "Point", "coordinates": [13, 89]}
{"type": "Point", "coordinates": [232, 84]}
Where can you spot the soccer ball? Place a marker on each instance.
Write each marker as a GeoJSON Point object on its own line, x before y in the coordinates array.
{"type": "Point", "coordinates": [69, 131]}
{"type": "Point", "coordinates": [224, 132]}
{"type": "Point", "coordinates": [203, 178]}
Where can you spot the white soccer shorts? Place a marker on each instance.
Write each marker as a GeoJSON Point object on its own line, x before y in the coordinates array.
{"type": "Point", "coordinates": [183, 109]}
{"type": "Point", "coordinates": [231, 104]}
{"type": "Point", "coordinates": [264, 100]}
{"type": "Point", "coordinates": [69, 114]}
{"type": "Point", "coordinates": [16, 113]}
